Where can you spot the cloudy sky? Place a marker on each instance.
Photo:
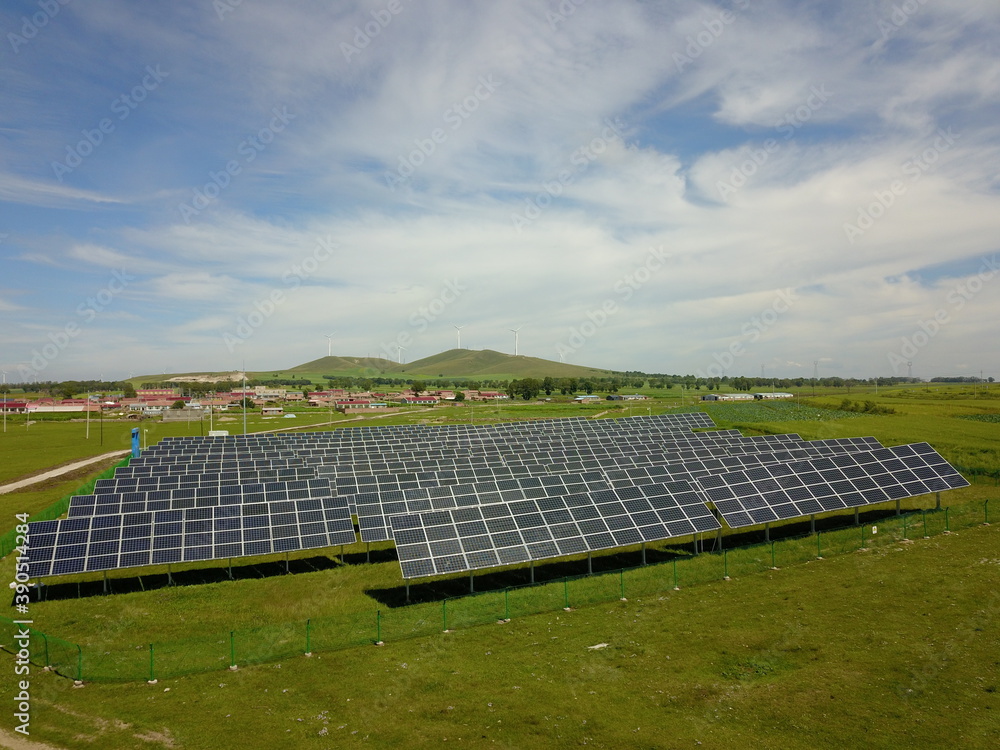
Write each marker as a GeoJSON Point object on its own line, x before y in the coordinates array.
{"type": "Point", "coordinates": [665, 186]}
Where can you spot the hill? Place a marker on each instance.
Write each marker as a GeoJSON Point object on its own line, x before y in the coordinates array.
{"type": "Point", "coordinates": [454, 363]}
{"type": "Point", "coordinates": [484, 364]}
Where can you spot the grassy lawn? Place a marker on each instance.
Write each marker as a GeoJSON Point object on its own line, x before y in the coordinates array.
{"type": "Point", "coordinates": [891, 647]}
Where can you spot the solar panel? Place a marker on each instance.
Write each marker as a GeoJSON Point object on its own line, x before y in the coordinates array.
{"type": "Point", "coordinates": [373, 509]}
{"type": "Point", "coordinates": [438, 542]}
{"type": "Point", "coordinates": [98, 543]}
{"type": "Point", "coordinates": [782, 491]}
{"type": "Point", "coordinates": [197, 497]}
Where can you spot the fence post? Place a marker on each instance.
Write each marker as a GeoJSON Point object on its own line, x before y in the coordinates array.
{"type": "Point", "coordinates": [773, 566]}
{"type": "Point", "coordinates": [819, 545]}
{"type": "Point", "coordinates": [986, 512]}
{"type": "Point", "coordinates": [676, 587]}
{"type": "Point", "coordinates": [308, 634]}
{"type": "Point", "coordinates": [725, 565]}
{"type": "Point", "coordinates": [862, 537]}
{"type": "Point", "coordinates": [152, 672]}
{"type": "Point", "coordinates": [232, 650]}
{"type": "Point", "coordinates": [506, 604]}
{"type": "Point", "coordinates": [947, 521]}
{"type": "Point", "coordinates": [621, 583]}
{"type": "Point", "coordinates": [45, 640]}
{"type": "Point", "coordinates": [444, 614]}
{"type": "Point", "coordinates": [378, 627]}
{"type": "Point", "coordinates": [566, 593]}
{"type": "Point", "coordinates": [79, 664]}
{"type": "Point", "coordinates": [904, 529]}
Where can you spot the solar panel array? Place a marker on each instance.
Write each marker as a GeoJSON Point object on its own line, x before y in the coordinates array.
{"type": "Point", "coordinates": [396, 493]}
{"type": "Point", "coordinates": [129, 540]}
{"type": "Point", "coordinates": [790, 490]}
{"type": "Point", "coordinates": [506, 533]}
{"type": "Point", "coordinates": [464, 497]}
{"type": "Point", "coordinates": [204, 496]}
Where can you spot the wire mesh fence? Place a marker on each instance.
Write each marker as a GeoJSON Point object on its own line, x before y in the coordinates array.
{"type": "Point", "coordinates": [274, 642]}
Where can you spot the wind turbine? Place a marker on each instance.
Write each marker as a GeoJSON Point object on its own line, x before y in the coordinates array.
{"type": "Point", "coordinates": [329, 343]}
{"type": "Point", "coordinates": [514, 331]}
{"type": "Point", "coordinates": [458, 330]}
{"type": "Point", "coordinates": [399, 354]}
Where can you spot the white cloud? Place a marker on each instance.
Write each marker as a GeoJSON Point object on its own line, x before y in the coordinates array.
{"type": "Point", "coordinates": [683, 130]}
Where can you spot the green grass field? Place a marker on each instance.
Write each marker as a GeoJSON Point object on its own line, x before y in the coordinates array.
{"type": "Point", "coordinates": [893, 645]}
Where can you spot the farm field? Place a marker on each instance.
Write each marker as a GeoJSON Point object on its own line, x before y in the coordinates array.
{"type": "Point", "coordinates": [765, 658]}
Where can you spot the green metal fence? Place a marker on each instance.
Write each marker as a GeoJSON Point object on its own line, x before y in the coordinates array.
{"type": "Point", "coordinates": [284, 640]}
{"type": "Point", "coordinates": [979, 475]}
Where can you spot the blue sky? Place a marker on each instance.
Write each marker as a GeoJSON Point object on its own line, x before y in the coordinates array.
{"type": "Point", "coordinates": [663, 186]}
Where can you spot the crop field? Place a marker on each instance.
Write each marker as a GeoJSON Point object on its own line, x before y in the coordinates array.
{"type": "Point", "coordinates": [890, 638]}
{"type": "Point", "coordinates": [776, 411]}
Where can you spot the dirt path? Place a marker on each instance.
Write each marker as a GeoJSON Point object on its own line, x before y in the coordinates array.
{"type": "Point", "coordinates": [17, 742]}
{"type": "Point", "coordinates": [68, 468]}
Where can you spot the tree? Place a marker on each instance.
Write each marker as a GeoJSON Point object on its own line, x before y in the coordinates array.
{"type": "Point", "coordinates": [548, 385]}
{"type": "Point", "coordinates": [178, 404]}
{"type": "Point", "coordinates": [418, 387]}
{"type": "Point", "coordinates": [247, 402]}
{"type": "Point", "coordinates": [528, 388]}
{"type": "Point", "coordinates": [459, 396]}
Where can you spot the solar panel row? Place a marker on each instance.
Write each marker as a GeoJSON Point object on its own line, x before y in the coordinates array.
{"type": "Point", "coordinates": [782, 491]}
{"type": "Point", "coordinates": [98, 543]}
{"type": "Point", "coordinates": [506, 533]}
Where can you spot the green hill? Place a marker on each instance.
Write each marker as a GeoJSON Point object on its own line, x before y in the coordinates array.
{"type": "Point", "coordinates": [454, 363]}
{"type": "Point", "coordinates": [483, 364]}
{"type": "Point", "coordinates": [347, 367]}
